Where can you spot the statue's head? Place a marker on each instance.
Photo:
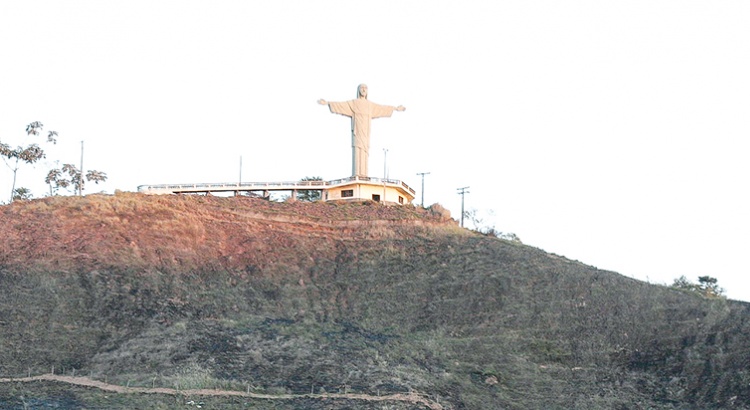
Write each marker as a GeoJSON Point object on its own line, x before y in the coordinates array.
{"type": "Point", "coordinates": [362, 91]}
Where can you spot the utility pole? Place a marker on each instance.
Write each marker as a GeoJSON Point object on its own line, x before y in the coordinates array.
{"type": "Point", "coordinates": [462, 191]}
{"type": "Point", "coordinates": [239, 181]}
{"type": "Point", "coordinates": [385, 166]}
{"type": "Point", "coordinates": [423, 174]}
{"type": "Point", "coordinates": [80, 175]}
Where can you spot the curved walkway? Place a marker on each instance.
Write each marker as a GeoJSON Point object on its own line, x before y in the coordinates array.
{"type": "Point", "coordinates": [412, 397]}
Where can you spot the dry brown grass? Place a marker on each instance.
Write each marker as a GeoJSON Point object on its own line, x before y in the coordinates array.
{"type": "Point", "coordinates": [346, 297]}
{"type": "Point", "coordinates": [181, 232]}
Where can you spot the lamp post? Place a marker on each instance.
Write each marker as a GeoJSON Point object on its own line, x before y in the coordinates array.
{"type": "Point", "coordinates": [423, 174]}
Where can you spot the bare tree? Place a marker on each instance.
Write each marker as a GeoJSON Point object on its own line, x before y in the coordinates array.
{"type": "Point", "coordinates": [30, 154]}
{"type": "Point", "coordinates": [70, 176]}
{"type": "Point", "coordinates": [67, 176]}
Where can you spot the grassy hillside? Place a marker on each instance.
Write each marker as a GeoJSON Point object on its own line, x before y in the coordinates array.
{"type": "Point", "coordinates": [291, 298]}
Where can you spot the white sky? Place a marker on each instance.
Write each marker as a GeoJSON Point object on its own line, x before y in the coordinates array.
{"type": "Point", "coordinates": [610, 132]}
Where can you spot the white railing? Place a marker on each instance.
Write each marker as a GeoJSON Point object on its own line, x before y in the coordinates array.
{"type": "Point", "coordinates": [264, 186]}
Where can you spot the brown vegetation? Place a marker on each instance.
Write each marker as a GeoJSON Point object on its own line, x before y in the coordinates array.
{"type": "Point", "coordinates": [188, 292]}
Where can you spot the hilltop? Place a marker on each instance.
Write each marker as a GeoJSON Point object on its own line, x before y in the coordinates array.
{"type": "Point", "coordinates": [288, 299]}
{"type": "Point", "coordinates": [184, 233]}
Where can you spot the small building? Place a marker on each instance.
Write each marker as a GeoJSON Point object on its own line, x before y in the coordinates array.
{"type": "Point", "coordinates": [376, 189]}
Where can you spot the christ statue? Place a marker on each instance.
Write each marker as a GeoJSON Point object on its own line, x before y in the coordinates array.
{"type": "Point", "coordinates": [361, 111]}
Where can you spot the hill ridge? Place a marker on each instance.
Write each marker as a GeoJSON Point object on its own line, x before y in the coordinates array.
{"type": "Point", "coordinates": [289, 297]}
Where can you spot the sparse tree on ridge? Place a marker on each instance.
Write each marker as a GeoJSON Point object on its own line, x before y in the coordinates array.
{"type": "Point", "coordinates": [710, 286]}
{"type": "Point", "coordinates": [56, 178]}
{"type": "Point", "coordinates": [486, 229]}
{"type": "Point", "coordinates": [67, 176]}
{"type": "Point", "coordinates": [707, 286]}
{"type": "Point", "coordinates": [30, 154]}
{"type": "Point", "coordinates": [22, 194]}
{"type": "Point", "coordinates": [309, 195]}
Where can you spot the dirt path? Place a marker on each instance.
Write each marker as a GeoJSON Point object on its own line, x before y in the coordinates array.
{"type": "Point", "coordinates": [414, 398]}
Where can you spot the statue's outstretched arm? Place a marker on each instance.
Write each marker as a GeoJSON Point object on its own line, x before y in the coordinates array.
{"type": "Point", "coordinates": [322, 102]}
{"type": "Point", "coordinates": [400, 108]}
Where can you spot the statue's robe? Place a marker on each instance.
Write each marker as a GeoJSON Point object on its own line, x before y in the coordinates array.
{"type": "Point", "coordinates": [362, 111]}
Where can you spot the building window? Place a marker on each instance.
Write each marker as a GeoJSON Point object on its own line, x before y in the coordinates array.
{"type": "Point", "coordinates": [347, 193]}
{"type": "Point", "coordinates": [401, 200]}
{"type": "Point", "coordinates": [376, 197]}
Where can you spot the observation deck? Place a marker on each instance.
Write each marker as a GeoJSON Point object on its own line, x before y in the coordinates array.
{"type": "Point", "coordinates": [351, 188]}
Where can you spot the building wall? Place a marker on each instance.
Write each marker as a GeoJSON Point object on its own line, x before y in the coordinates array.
{"type": "Point", "coordinates": [366, 191]}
